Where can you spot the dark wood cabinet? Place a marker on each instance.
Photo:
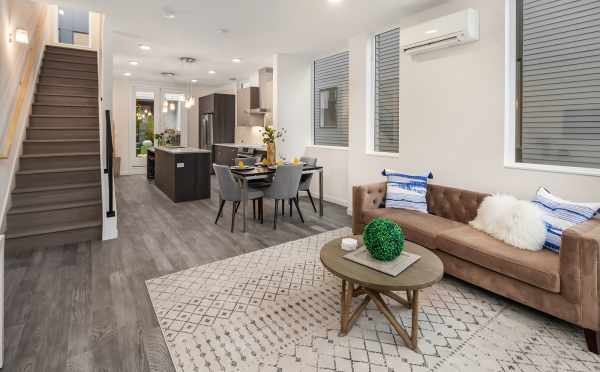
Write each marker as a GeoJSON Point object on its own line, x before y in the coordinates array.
{"type": "Point", "coordinates": [222, 109]}
{"type": "Point", "coordinates": [224, 155]}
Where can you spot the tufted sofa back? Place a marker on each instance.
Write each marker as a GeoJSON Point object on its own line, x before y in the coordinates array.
{"type": "Point", "coordinates": [453, 204]}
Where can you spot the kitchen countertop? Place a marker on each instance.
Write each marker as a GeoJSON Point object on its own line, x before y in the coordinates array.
{"type": "Point", "coordinates": [183, 150]}
{"type": "Point", "coordinates": [239, 145]}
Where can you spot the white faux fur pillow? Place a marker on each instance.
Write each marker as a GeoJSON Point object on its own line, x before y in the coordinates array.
{"type": "Point", "coordinates": [516, 222]}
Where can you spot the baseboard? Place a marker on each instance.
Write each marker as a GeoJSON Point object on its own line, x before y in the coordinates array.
{"type": "Point", "coordinates": [333, 199]}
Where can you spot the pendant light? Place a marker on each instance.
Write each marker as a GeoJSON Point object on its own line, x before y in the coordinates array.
{"type": "Point", "coordinates": [189, 100]}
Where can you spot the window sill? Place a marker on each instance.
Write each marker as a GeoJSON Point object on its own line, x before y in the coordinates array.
{"type": "Point", "coordinates": [342, 148]}
{"type": "Point", "coordinates": [554, 169]}
{"type": "Point", "coordinates": [383, 154]}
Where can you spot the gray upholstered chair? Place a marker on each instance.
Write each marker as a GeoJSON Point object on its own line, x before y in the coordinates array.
{"type": "Point", "coordinates": [229, 190]}
{"type": "Point", "coordinates": [307, 179]}
{"type": "Point", "coordinates": [285, 187]}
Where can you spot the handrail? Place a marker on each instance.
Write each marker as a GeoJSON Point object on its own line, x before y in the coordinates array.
{"type": "Point", "coordinates": [109, 165]}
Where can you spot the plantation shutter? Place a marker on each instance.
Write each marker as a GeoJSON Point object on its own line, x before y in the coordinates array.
{"type": "Point", "coordinates": [387, 90]}
{"type": "Point", "coordinates": [559, 60]}
{"type": "Point", "coordinates": [330, 100]}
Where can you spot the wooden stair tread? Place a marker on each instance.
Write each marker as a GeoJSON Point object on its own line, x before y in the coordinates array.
{"type": "Point", "coordinates": [94, 128]}
{"type": "Point", "coordinates": [68, 77]}
{"type": "Point", "coordinates": [61, 154]}
{"type": "Point", "coordinates": [65, 104]}
{"type": "Point", "coordinates": [53, 207]}
{"type": "Point", "coordinates": [67, 95]}
{"type": "Point", "coordinates": [48, 229]}
{"type": "Point", "coordinates": [61, 140]}
{"type": "Point", "coordinates": [63, 116]}
{"type": "Point", "coordinates": [58, 170]}
{"type": "Point", "coordinates": [64, 85]}
{"type": "Point", "coordinates": [28, 190]}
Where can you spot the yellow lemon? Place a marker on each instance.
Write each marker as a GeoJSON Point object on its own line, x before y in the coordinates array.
{"type": "Point", "coordinates": [241, 164]}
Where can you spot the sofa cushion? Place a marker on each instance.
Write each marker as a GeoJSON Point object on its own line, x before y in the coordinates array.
{"type": "Point", "coordinates": [421, 228]}
{"type": "Point", "coordinates": [539, 268]}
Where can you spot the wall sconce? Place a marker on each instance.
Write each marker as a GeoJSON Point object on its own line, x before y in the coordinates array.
{"type": "Point", "coordinates": [21, 36]}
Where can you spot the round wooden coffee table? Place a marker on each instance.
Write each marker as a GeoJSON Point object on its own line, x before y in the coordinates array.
{"type": "Point", "coordinates": [361, 280]}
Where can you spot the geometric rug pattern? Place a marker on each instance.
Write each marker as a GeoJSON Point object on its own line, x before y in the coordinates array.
{"type": "Point", "coordinates": [277, 309]}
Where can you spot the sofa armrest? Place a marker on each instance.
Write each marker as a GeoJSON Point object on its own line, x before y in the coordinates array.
{"type": "Point", "coordinates": [365, 197]}
{"type": "Point", "coordinates": [580, 270]}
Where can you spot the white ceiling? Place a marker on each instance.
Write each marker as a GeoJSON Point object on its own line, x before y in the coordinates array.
{"type": "Point", "coordinates": [257, 29]}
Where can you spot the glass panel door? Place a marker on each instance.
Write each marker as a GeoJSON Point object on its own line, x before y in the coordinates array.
{"type": "Point", "coordinates": [144, 122]}
{"type": "Point", "coordinates": [143, 125]}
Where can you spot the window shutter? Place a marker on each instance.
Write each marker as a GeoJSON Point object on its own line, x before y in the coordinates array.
{"type": "Point", "coordinates": [332, 72]}
{"type": "Point", "coordinates": [387, 91]}
{"type": "Point", "coordinates": [560, 82]}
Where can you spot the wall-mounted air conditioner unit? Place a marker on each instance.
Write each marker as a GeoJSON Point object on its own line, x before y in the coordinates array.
{"type": "Point", "coordinates": [454, 29]}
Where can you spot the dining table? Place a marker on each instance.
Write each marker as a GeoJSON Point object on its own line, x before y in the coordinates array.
{"type": "Point", "coordinates": [243, 176]}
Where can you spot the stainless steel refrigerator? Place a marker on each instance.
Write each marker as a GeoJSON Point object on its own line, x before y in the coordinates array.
{"type": "Point", "coordinates": [206, 131]}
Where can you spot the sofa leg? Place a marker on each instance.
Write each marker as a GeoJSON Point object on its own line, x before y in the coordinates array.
{"type": "Point", "coordinates": [593, 339]}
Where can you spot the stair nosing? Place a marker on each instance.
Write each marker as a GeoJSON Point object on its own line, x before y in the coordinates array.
{"type": "Point", "coordinates": [84, 54]}
{"type": "Point", "coordinates": [57, 170]}
{"type": "Point", "coordinates": [60, 154]}
{"type": "Point", "coordinates": [53, 207]}
{"type": "Point", "coordinates": [29, 190]}
{"type": "Point", "coordinates": [49, 229]}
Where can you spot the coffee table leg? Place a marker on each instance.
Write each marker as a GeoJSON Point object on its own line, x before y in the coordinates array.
{"type": "Point", "coordinates": [414, 332]}
{"type": "Point", "coordinates": [347, 316]}
{"type": "Point", "coordinates": [344, 311]}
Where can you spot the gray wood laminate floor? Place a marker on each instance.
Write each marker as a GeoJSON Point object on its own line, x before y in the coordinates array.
{"type": "Point", "coordinates": [85, 308]}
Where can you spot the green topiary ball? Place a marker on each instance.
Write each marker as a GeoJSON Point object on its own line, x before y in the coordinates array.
{"type": "Point", "coordinates": [384, 239]}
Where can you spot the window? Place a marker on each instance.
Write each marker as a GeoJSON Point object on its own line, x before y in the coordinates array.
{"type": "Point", "coordinates": [330, 100]}
{"type": "Point", "coordinates": [387, 90]}
{"type": "Point", "coordinates": [558, 83]}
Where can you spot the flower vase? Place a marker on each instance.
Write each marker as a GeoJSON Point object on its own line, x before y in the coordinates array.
{"type": "Point", "coordinates": [271, 153]}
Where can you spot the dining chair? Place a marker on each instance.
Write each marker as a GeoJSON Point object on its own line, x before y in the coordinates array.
{"type": "Point", "coordinates": [230, 190]}
{"type": "Point", "coordinates": [285, 187]}
{"type": "Point", "coordinates": [306, 179]}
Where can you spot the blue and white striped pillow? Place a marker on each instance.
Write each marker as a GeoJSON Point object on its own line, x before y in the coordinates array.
{"type": "Point", "coordinates": [560, 215]}
{"type": "Point", "coordinates": [406, 191]}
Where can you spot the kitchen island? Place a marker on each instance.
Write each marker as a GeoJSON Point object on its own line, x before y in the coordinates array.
{"type": "Point", "coordinates": [183, 173]}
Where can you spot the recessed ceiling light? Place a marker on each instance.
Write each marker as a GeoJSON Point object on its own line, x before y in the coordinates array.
{"type": "Point", "coordinates": [236, 60]}
{"type": "Point", "coordinates": [169, 15]}
{"type": "Point", "coordinates": [194, 81]}
{"type": "Point", "coordinates": [335, 1]}
{"type": "Point", "coordinates": [212, 72]}
{"type": "Point", "coordinates": [127, 74]}
{"type": "Point", "coordinates": [430, 31]}
{"type": "Point", "coordinates": [144, 47]}
{"type": "Point", "coordinates": [134, 63]}
{"type": "Point", "coordinates": [61, 11]}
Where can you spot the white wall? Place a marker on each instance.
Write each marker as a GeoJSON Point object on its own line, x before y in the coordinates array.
{"type": "Point", "coordinates": [291, 102]}
{"type": "Point", "coordinates": [451, 118]}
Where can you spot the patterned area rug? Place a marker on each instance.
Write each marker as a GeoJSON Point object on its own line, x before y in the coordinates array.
{"type": "Point", "coordinates": [277, 309]}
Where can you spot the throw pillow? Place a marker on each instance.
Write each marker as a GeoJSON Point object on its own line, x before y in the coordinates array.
{"type": "Point", "coordinates": [516, 222]}
{"type": "Point", "coordinates": [406, 191]}
{"type": "Point", "coordinates": [560, 214]}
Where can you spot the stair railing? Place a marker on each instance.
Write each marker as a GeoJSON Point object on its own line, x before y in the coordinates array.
{"type": "Point", "coordinates": [109, 165]}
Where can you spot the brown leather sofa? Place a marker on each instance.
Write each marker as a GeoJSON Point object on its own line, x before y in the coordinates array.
{"type": "Point", "coordinates": [564, 285]}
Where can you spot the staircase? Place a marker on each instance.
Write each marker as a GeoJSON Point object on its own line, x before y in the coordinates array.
{"type": "Point", "coordinates": [57, 197]}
